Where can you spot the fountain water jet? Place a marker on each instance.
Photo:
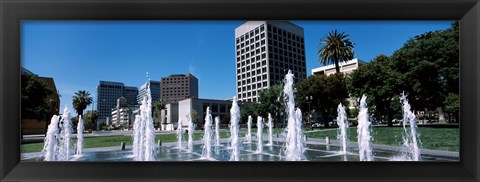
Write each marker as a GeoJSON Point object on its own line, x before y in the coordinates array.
{"type": "Point", "coordinates": [234, 141]}
{"type": "Point", "coordinates": [80, 128]}
{"type": "Point", "coordinates": [65, 136]}
{"type": "Point", "coordinates": [259, 134]}
{"type": "Point", "coordinates": [179, 134]}
{"type": "Point", "coordinates": [207, 136]}
{"type": "Point", "coordinates": [145, 149]}
{"type": "Point", "coordinates": [136, 136]}
{"type": "Point", "coordinates": [294, 142]}
{"type": "Point", "coordinates": [217, 131]}
{"type": "Point", "coordinates": [249, 130]}
{"type": "Point", "coordinates": [363, 131]}
{"type": "Point", "coordinates": [50, 144]}
{"type": "Point", "coordinates": [190, 134]}
{"type": "Point", "coordinates": [410, 137]}
{"type": "Point", "coordinates": [270, 130]}
{"type": "Point", "coordinates": [342, 122]}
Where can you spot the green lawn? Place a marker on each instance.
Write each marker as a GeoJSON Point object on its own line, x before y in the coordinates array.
{"type": "Point", "coordinates": [109, 141]}
{"type": "Point", "coordinates": [431, 138]}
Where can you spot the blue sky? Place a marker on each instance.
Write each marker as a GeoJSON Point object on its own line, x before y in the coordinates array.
{"type": "Point", "coordinates": [78, 54]}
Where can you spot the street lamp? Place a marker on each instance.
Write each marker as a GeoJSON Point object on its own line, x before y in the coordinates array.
{"type": "Point", "coordinates": [309, 99]}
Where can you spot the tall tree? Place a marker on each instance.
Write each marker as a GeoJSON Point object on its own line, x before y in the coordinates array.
{"type": "Point", "coordinates": [157, 107]}
{"type": "Point", "coordinates": [33, 98]}
{"type": "Point", "coordinates": [271, 101]}
{"type": "Point", "coordinates": [336, 48]}
{"type": "Point", "coordinates": [327, 92]}
{"type": "Point", "coordinates": [81, 100]}
{"type": "Point", "coordinates": [92, 117]}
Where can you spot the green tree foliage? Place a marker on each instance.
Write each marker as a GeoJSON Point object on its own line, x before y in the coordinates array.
{"type": "Point", "coordinates": [429, 64]}
{"type": "Point", "coordinates": [33, 98]}
{"type": "Point", "coordinates": [91, 118]}
{"type": "Point", "coordinates": [379, 81]}
{"type": "Point", "coordinates": [157, 107]}
{"type": "Point", "coordinates": [271, 101]}
{"type": "Point", "coordinates": [81, 100]}
{"type": "Point", "coordinates": [335, 48]}
{"type": "Point", "coordinates": [327, 92]}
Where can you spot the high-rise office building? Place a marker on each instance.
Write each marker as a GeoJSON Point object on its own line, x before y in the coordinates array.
{"type": "Point", "coordinates": [265, 51]}
{"type": "Point", "coordinates": [178, 87]}
{"type": "Point", "coordinates": [154, 91]}
{"type": "Point", "coordinates": [131, 94]}
{"type": "Point", "coordinates": [107, 94]}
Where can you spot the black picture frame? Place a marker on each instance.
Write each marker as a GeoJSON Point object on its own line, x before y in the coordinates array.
{"type": "Point", "coordinates": [12, 12]}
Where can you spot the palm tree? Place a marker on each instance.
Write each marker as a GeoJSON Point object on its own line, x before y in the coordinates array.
{"type": "Point", "coordinates": [81, 100]}
{"type": "Point", "coordinates": [158, 105]}
{"type": "Point", "coordinates": [336, 48]}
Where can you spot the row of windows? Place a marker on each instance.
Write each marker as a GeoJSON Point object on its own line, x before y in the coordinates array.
{"type": "Point", "coordinates": [253, 51]}
{"type": "Point", "coordinates": [246, 100]}
{"type": "Point", "coordinates": [278, 31]}
{"type": "Point", "coordinates": [252, 33]}
{"type": "Point", "coordinates": [254, 85]}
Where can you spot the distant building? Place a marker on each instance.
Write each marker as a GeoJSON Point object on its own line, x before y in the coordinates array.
{"type": "Point", "coordinates": [169, 116]}
{"type": "Point", "coordinates": [178, 87]}
{"type": "Point", "coordinates": [131, 94]}
{"type": "Point", "coordinates": [220, 108]}
{"type": "Point", "coordinates": [154, 91]}
{"type": "Point", "coordinates": [265, 51]}
{"type": "Point", "coordinates": [107, 94]}
{"type": "Point", "coordinates": [345, 67]}
{"type": "Point", "coordinates": [122, 114]}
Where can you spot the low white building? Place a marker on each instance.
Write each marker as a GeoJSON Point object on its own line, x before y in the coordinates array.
{"type": "Point", "coordinates": [345, 67]}
{"type": "Point", "coordinates": [220, 108]}
{"type": "Point", "coordinates": [169, 116]}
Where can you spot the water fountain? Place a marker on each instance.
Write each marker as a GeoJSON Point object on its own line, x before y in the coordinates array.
{"type": "Point", "coordinates": [342, 122]}
{"type": "Point", "coordinates": [270, 130]}
{"type": "Point", "coordinates": [179, 134]}
{"type": "Point", "coordinates": [259, 134]}
{"type": "Point", "coordinates": [207, 136]}
{"type": "Point", "coordinates": [293, 143]}
{"type": "Point", "coordinates": [80, 128]}
{"type": "Point", "coordinates": [363, 131]}
{"type": "Point", "coordinates": [50, 143]}
{"type": "Point", "coordinates": [65, 136]}
{"type": "Point", "coordinates": [190, 134]}
{"type": "Point", "coordinates": [217, 131]}
{"type": "Point", "coordinates": [234, 141]}
{"type": "Point", "coordinates": [410, 137]}
{"type": "Point", "coordinates": [137, 135]}
{"type": "Point", "coordinates": [248, 137]}
{"type": "Point", "coordinates": [145, 148]}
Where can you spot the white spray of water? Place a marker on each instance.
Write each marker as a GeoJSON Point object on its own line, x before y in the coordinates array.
{"type": "Point", "coordinates": [146, 149]}
{"type": "Point", "coordinates": [179, 135]}
{"type": "Point", "coordinates": [234, 141]}
{"type": "Point", "coordinates": [248, 137]}
{"type": "Point", "coordinates": [342, 122]}
{"type": "Point", "coordinates": [80, 128]}
{"type": "Point", "coordinates": [294, 141]}
{"type": "Point", "coordinates": [50, 144]}
{"type": "Point", "coordinates": [300, 137]}
{"type": "Point", "coordinates": [363, 131]}
{"type": "Point", "coordinates": [190, 134]}
{"type": "Point", "coordinates": [217, 131]}
{"type": "Point", "coordinates": [270, 130]}
{"type": "Point", "coordinates": [137, 142]}
{"type": "Point", "coordinates": [410, 137]}
{"type": "Point", "coordinates": [65, 136]}
{"type": "Point", "coordinates": [207, 136]}
{"type": "Point", "coordinates": [259, 134]}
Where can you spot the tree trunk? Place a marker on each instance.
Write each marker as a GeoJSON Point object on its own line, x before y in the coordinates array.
{"type": "Point", "coordinates": [441, 116]}
{"type": "Point", "coordinates": [337, 67]}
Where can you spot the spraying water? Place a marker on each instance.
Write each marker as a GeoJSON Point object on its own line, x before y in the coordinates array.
{"type": "Point", "coordinates": [217, 131]}
{"type": "Point", "coordinates": [65, 136]}
{"type": "Point", "coordinates": [207, 136]}
{"type": "Point", "coordinates": [50, 144]}
{"type": "Point", "coordinates": [137, 136]}
{"type": "Point", "coordinates": [80, 128]}
{"type": "Point", "coordinates": [294, 143]}
{"type": "Point", "coordinates": [270, 130]}
{"type": "Point", "coordinates": [234, 141]}
{"type": "Point", "coordinates": [259, 134]}
{"type": "Point", "coordinates": [249, 130]}
{"type": "Point", "coordinates": [190, 134]}
{"type": "Point", "coordinates": [300, 137]}
{"type": "Point", "coordinates": [410, 137]}
{"type": "Point", "coordinates": [145, 148]}
{"type": "Point", "coordinates": [342, 122]}
{"type": "Point", "coordinates": [363, 131]}
{"type": "Point", "coordinates": [179, 134]}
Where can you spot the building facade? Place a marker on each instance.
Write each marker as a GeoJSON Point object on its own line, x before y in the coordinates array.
{"type": "Point", "coordinates": [345, 67]}
{"type": "Point", "coordinates": [265, 51]}
{"type": "Point", "coordinates": [178, 87]}
{"type": "Point", "coordinates": [131, 94]}
{"type": "Point", "coordinates": [107, 94]}
{"type": "Point", "coordinates": [154, 91]}
{"type": "Point", "coordinates": [187, 107]}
